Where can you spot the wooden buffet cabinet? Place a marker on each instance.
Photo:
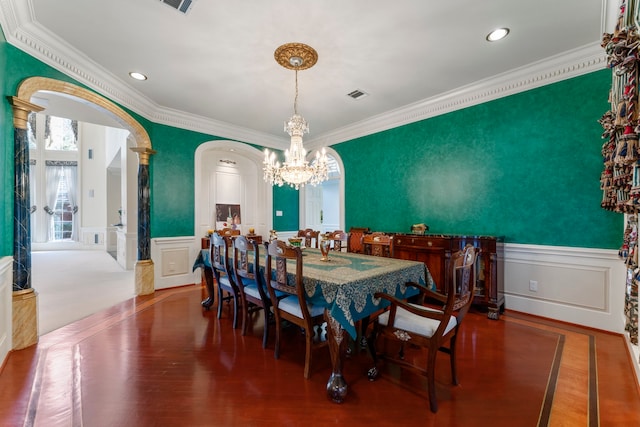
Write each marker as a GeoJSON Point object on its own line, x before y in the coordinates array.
{"type": "Point", "coordinates": [435, 251]}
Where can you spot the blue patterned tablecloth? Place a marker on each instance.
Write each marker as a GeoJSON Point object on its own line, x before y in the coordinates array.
{"type": "Point", "coordinates": [345, 284]}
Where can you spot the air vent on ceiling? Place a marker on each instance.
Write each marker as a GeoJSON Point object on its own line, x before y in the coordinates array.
{"type": "Point", "coordinates": [357, 94]}
{"type": "Point", "coordinates": [180, 5]}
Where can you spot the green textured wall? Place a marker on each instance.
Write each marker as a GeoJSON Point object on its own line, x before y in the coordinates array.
{"type": "Point", "coordinates": [286, 199]}
{"type": "Point", "coordinates": [172, 180]}
{"type": "Point", "coordinates": [526, 167]}
{"type": "Point", "coordinates": [6, 162]}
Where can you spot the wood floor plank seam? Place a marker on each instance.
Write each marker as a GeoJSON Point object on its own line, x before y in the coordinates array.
{"type": "Point", "coordinates": [547, 403]}
{"type": "Point", "coordinates": [36, 387]}
{"type": "Point", "coordinates": [594, 400]}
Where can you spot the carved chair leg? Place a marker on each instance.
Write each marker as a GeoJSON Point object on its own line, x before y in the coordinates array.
{"type": "Point", "coordinates": [431, 382]}
{"type": "Point", "coordinates": [235, 312]}
{"type": "Point", "coordinates": [265, 333]}
{"type": "Point", "coordinates": [372, 373]}
{"type": "Point", "coordinates": [245, 316]}
{"type": "Point", "coordinates": [276, 351]}
{"type": "Point", "coordinates": [220, 302]}
{"type": "Point", "coordinates": [307, 357]}
{"type": "Point", "coordinates": [452, 359]}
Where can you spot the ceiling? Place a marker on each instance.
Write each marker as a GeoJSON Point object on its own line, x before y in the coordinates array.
{"type": "Point", "coordinates": [212, 69]}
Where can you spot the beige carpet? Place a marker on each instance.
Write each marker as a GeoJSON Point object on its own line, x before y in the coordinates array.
{"type": "Point", "coordinates": [74, 284]}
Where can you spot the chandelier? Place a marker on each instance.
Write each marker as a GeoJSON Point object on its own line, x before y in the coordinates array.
{"type": "Point", "coordinates": [295, 170]}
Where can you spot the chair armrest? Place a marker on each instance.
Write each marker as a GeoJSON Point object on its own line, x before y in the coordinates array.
{"type": "Point", "coordinates": [395, 303]}
{"type": "Point", "coordinates": [427, 293]}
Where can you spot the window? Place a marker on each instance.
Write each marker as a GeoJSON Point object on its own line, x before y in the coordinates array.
{"type": "Point", "coordinates": [61, 205]}
{"type": "Point", "coordinates": [31, 131]}
{"type": "Point", "coordinates": [62, 217]}
{"type": "Point", "coordinates": [60, 134]}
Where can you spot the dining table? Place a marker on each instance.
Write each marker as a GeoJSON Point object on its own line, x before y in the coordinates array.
{"type": "Point", "coordinates": [345, 284]}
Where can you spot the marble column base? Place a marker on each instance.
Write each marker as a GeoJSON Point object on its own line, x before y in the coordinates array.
{"type": "Point", "coordinates": [25, 318]}
{"type": "Point", "coordinates": [144, 277]}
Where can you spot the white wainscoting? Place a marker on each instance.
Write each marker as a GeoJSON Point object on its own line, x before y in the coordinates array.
{"type": "Point", "coordinates": [173, 259]}
{"type": "Point", "coordinates": [576, 285]}
{"type": "Point", "coordinates": [6, 304]}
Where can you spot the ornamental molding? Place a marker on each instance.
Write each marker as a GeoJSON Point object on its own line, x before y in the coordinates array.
{"type": "Point", "coordinates": [564, 66]}
{"type": "Point", "coordinates": [22, 30]}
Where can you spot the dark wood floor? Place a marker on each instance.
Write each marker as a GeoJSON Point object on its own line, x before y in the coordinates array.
{"type": "Point", "coordinates": [160, 360]}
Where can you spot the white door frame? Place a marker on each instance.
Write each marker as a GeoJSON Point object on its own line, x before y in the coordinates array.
{"type": "Point", "coordinates": [303, 193]}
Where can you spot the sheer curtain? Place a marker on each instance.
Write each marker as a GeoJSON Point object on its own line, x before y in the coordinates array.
{"type": "Point", "coordinates": [71, 179]}
{"type": "Point", "coordinates": [53, 174]}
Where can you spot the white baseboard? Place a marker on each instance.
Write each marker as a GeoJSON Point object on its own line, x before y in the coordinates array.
{"type": "Point", "coordinates": [6, 307]}
{"type": "Point", "coordinates": [634, 353]}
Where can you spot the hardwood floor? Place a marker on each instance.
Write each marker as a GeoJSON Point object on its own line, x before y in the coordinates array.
{"type": "Point", "coordinates": [160, 360]}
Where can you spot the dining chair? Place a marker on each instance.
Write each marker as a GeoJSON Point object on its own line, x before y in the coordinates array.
{"type": "Point", "coordinates": [254, 295]}
{"type": "Point", "coordinates": [378, 244]}
{"type": "Point", "coordinates": [311, 237]}
{"type": "Point", "coordinates": [229, 232]}
{"type": "Point", "coordinates": [294, 308]}
{"type": "Point", "coordinates": [434, 328]}
{"type": "Point", "coordinates": [339, 240]}
{"type": "Point", "coordinates": [221, 267]}
{"type": "Point", "coordinates": [354, 239]}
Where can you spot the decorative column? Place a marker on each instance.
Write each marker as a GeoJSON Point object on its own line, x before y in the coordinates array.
{"type": "Point", "coordinates": [144, 276]}
{"type": "Point", "coordinates": [24, 304]}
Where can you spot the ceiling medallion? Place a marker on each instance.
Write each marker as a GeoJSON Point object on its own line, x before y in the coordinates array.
{"type": "Point", "coordinates": [296, 56]}
{"type": "Point", "coordinates": [295, 170]}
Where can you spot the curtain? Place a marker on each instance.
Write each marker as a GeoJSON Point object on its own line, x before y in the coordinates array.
{"type": "Point", "coordinates": [53, 174]}
{"type": "Point", "coordinates": [71, 179]}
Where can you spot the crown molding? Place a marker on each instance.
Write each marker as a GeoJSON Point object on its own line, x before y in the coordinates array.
{"type": "Point", "coordinates": [22, 30]}
{"type": "Point", "coordinates": [551, 70]}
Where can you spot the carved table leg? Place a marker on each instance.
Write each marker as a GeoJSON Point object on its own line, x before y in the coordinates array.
{"type": "Point", "coordinates": [208, 277]}
{"type": "Point", "coordinates": [336, 386]}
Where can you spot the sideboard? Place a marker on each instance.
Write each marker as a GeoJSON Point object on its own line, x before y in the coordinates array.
{"type": "Point", "coordinates": [435, 251]}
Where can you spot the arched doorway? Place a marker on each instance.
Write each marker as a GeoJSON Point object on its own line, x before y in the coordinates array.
{"type": "Point", "coordinates": [229, 172]}
{"type": "Point", "coordinates": [24, 299]}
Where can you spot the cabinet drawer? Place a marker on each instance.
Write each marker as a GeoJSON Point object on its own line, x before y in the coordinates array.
{"type": "Point", "coordinates": [425, 242]}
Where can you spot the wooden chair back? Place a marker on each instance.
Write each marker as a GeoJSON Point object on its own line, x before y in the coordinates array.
{"type": "Point", "coordinates": [339, 240]}
{"type": "Point", "coordinates": [377, 244]}
{"type": "Point", "coordinates": [221, 268]}
{"type": "Point", "coordinates": [354, 239]}
{"type": "Point", "coordinates": [253, 292]}
{"type": "Point", "coordinates": [311, 237]}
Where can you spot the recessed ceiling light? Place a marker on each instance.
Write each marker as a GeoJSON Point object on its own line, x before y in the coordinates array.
{"type": "Point", "coordinates": [497, 34]}
{"type": "Point", "coordinates": [137, 76]}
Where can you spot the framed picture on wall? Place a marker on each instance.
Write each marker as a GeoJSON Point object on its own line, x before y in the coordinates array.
{"type": "Point", "coordinates": [227, 216]}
